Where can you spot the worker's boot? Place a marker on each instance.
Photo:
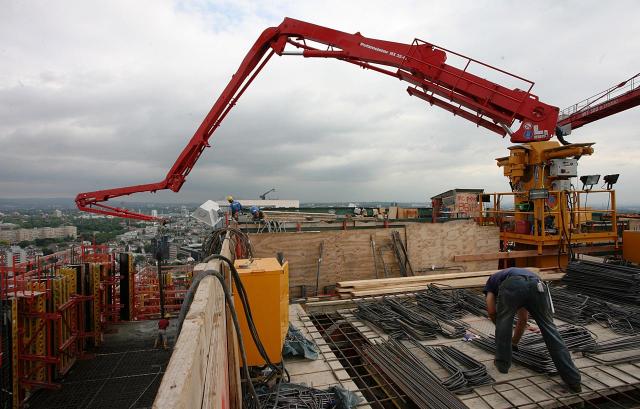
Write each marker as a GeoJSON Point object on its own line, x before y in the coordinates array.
{"type": "Point", "coordinates": [575, 388]}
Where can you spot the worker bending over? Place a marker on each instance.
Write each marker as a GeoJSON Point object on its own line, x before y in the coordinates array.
{"type": "Point", "coordinates": [521, 291]}
{"type": "Point", "coordinates": [235, 206]}
{"type": "Point", "coordinates": [257, 214]}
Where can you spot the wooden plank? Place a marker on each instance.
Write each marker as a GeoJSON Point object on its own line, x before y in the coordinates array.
{"type": "Point", "coordinates": [198, 373]}
{"type": "Point", "coordinates": [216, 384]}
{"type": "Point", "coordinates": [362, 284]}
{"type": "Point", "coordinates": [183, 383]}
{"type": "Point", "coordinates": [527, 253]}
{"type": "Point", "coordinates": [415, 279]}
{"type": "Point", "coordinates": [471, 282]}
{"type": "Point", "coordinates": [496, 256]}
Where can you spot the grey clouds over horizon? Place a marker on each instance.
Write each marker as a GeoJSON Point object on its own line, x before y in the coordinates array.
{"type": "Point", "coordinates": [98, 95]}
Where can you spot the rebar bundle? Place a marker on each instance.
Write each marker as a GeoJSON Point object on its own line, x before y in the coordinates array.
{"type": "Point", "coordinates": [465, 371]}
{"type": "Point", "coordinates": [410, 375]}
{"type": "Point", "coordinates": [473, 302]}
{"type": "Point", "coordinates": [631, 344]}
{"type": "Point", "coordinates": [610, 282]}
{"type": "Point", "coordinates": [532, 351]}
{"type": "Point", "coordinates": [400, 322]}
{"type": "Point", "coordinates": [617, 344]}
{"type": "Point", "coordinates": [290, 396]}
{"type": "Point", "coordinates": [583, 309]}
{"type": "Point", "coordinates": [440, 301]}
{"type": "Point", "coordinates": [409, 319]}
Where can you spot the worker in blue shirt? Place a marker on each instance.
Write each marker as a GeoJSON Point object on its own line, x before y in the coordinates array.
{"type": "Point", "coordinates": [236, 207]}
{"type": "Point", "coordinates": [519, 290]}
{"type": "Point", "coordinates": [256, 213]}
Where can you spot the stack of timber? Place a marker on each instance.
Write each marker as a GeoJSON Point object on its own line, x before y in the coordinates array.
{"type": "Point", "coordinates": [298, 216]}
{"type": "Point", "coordinates": [470, 279]}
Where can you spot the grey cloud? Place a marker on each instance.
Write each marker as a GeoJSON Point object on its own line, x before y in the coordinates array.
{"type": "Point", "coordinates": [91, 98]}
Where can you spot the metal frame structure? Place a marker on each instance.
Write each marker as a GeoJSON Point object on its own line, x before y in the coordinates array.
{"type": "Point", "coordinates": [147, 291]}
{"type": "Point", "coordinates": [570, 221]}
{"type": "Point", "coordinates": [49, 316]}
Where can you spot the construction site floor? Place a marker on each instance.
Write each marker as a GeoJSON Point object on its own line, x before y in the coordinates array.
{"type": "Point", "coordinates": [125, 372]}
{"type": "Point", "coordinates": [605, 385]}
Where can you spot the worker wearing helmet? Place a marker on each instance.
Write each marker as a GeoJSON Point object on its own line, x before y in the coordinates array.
{"type": "Point", "coordinates": [257, 213]}
{"type": "Point", "coordinates": [520, 291]}
{"type": "Point", "coordinates": [235, 206]}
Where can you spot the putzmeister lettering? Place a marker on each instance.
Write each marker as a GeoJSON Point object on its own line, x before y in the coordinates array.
{"type": "Point", "coordinates": [382, 50]}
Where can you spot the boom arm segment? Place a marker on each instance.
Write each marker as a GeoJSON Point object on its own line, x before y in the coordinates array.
{"type": "Point", "coordinates": [421, 64]}
{"type": "Point", "coordinates": [618, 98]}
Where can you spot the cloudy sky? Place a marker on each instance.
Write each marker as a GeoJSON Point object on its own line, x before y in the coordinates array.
{"type": "Point", "coordinates": [97, 94]}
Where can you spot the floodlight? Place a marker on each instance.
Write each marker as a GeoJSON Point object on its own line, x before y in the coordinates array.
{"type": "Point", "coordinates": [611, 180]}
{"type": "Point", "coordinates": [589, 180]}
{"type": "Point", "coordinates": [538, 194]}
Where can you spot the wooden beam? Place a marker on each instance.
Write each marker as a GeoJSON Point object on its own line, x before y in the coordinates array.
{"type": "Point", "coordinates": [471, 282]}
{"type": "Point", "coordinates": [198, 374]}
{"type": "Point", "coordinates": [183, 384]}
{"type": "Point", "coordinates": [528, 253]}
{"type": "Point", "coordinates": [414, 279]}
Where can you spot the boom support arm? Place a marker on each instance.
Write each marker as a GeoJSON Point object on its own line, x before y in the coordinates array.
{"type": "Point", "coordinates": [421, 64]}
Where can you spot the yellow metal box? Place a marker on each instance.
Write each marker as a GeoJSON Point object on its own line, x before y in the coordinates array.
{"type": "Point", "coordinates": [631, 245]}
{"type": "Point", "coordinates": [267, 285]}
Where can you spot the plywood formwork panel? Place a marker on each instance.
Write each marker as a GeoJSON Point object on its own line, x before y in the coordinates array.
{"type": "Point", "coordinates": [348, 254]}
{"type": "Point", "coordinates": [435, 244]}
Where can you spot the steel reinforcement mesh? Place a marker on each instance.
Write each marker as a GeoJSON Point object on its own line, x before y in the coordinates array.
{"type": "Point", "coordinates": [125, 373]}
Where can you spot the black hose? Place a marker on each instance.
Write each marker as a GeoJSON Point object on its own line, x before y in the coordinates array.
{"type": "Point", "coordinates": [244, 299]}
{"type": "Point", "coordinates": [229, 301]}
{"type": "Point", "coordinates": [560, 136]}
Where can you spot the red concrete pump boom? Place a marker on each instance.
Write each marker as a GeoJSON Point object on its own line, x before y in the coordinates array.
{"type": "Point", "coordinates": [611, 101]}
{"type": "Point", "coordinates": [420, 63]}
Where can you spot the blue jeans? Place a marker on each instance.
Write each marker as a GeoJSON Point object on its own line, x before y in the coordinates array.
{"type": "Point", "coordinates": [522, 292]}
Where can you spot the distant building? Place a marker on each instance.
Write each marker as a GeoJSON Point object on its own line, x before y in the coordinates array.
{"type": "Point", "coordinates": [18, 235]}
{"type": "Point", "coordinates": [173, 251]}
{"type": "Point", "coordinates": [57, 213]}
{"type": "Point", "coordinates": [129, 235]}
{"type": "Point", "coordinates": [458, 203]}
{"type": "Point", "coordinates": [154, 213]}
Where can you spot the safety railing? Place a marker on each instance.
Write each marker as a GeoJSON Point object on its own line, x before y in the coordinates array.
{"type": "Point", "coordinates": [565, 216]}
{"type": "Point", "coordinates": [603, 96]}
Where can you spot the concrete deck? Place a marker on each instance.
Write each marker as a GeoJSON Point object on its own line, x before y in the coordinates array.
{"type": "Point", "coordinates": [521, 387]}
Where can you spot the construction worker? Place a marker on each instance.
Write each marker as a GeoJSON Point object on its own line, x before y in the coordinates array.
{"type": "Point", "coordinates": [235, 206]}
{"type": "Point", "coordinates": [519, 290]}
{"type": "Point", "coordinates": [256, 213]}
{"type": "Point", "coordinates": [163, 324]}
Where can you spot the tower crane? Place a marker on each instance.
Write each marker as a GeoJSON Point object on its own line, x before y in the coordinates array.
{"type": "Point", "coordinates": [264, 195]}
{"type": "Point", "coordinates": [421, 64]}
